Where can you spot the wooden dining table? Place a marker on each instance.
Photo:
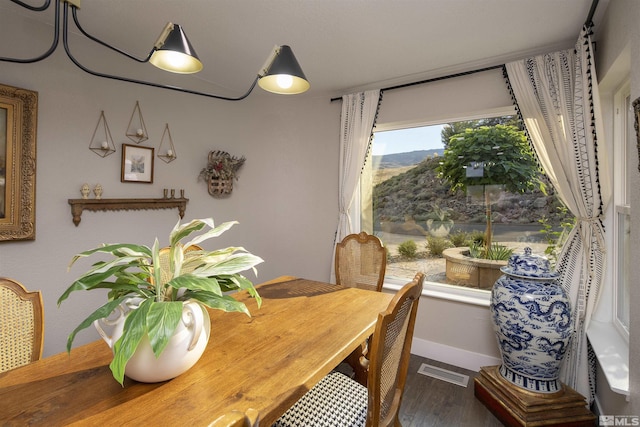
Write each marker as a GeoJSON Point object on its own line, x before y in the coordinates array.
{"type": "Point", "coordinates": [265, 362]}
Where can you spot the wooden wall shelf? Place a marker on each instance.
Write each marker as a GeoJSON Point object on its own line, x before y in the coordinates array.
{"type": "Point", "coordinates": [79, 205]}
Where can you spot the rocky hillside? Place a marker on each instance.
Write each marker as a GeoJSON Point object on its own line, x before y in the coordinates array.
{"type": "Point", "coordinates": [418, 194]}
{"type": "Point", "coordinates": [410, 158]}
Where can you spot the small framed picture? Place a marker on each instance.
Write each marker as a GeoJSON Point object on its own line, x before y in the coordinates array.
{"type": "Point", "coordinates": [137, 164]}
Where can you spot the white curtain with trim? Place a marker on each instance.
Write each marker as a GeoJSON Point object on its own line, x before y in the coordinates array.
{"type": "Point", "coordinates": [557, 95]}
{"type": "Point", "coordinates": [358, 117]}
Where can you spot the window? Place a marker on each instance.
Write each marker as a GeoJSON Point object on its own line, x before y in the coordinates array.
{"type": "Point", "coordinates": [609, 328]}
{"type": "Point", "coordinates": [623, 131]}
{"type": "Point", "coordinates": [428, 227]}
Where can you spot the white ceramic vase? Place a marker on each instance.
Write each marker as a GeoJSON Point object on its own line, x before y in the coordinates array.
{"type": "Point", "coordinates": [181, 353]}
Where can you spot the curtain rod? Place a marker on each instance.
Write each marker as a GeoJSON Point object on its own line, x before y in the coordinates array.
{"type": "Point", "coordinates": [592, 11]}
{"type": "Point", "coordinates": [435, 79]}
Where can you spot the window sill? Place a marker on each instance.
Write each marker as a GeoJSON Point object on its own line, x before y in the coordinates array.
{"type": "Point", "coordinates": [446, 292]}
{"type": "Point", "coordinates": [612, 352]}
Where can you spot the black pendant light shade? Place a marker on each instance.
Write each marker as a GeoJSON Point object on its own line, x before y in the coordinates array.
{"type": "Point", "coordinates": [284, 75]}
{"type": "Point", "coordinates": [175, 53]}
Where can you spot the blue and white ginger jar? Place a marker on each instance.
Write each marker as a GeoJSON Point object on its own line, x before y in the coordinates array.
{"type": "Point", "coordinates": [532, 319]}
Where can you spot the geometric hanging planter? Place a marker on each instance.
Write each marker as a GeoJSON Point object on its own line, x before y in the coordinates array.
{"type": "Point", "coordinates": [101, 142]}
{"type": "Point", "coordinates": [166, 151]}
{"type": "Point", "coordinates": [137, 130]}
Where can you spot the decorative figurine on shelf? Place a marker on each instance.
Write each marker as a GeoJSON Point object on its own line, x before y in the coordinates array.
{"type": "Point", "coordinates": [97, 190]}
{"type": "Point", "coordinates": [221, 170]}
{"type": "Point", "coordinates": [85, 190]}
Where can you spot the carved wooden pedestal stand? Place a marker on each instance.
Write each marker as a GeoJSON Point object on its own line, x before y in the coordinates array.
{"type": "Point", "coordinates": [514, 406]}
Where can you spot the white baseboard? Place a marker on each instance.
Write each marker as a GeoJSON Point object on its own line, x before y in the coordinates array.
{"type": "Point", "coordinates": [452, 355]}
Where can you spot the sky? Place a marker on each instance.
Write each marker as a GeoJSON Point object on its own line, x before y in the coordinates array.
{"type": "Point", "coordinates": [406, 140]}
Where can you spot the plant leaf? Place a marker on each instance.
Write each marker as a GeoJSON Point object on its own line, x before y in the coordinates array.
{"type": "Point", "coordinates": [195, 260]}
{"type": "Point", "coordinates": [142, 263]}
{"type": "Point", "coordinates": [238, 281]}
{"type": "Point", "coordinates": [90, 281]}
{"type": "Point", "coordinates": [214, 232]}
{"type": "Point", "coordinates": [176, 260]}
{"type": "Point", "coordinates": [246, 284]}
{"type": "Point", "coordinates": [100, 313]}
{"type": "Point", "coordinates": [157, 272]}
{"type": "Point", "coordinates": [195, 283]}
{"type": "Point", "coordinates": [179, 232]}
{"type": "Point", "coordinates": [114, 249]}
{"type": "Point", "coordinates": [135, 327]}
{"type": "Point", "coordinates": [234, 263]}
{"type": "Point", "coordinates": [219, 302]}
{"type": "Point", "coordinates": [162, 320]}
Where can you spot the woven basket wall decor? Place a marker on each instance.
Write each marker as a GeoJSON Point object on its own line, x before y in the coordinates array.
{"type": "Point", "coordinates": [219, 186]}
{"type": "Point", "coordinates": [222, 168]}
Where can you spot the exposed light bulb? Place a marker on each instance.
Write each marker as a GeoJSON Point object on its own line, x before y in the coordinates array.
{"type": "Point", "coordinates": [285, 81]}
{"type": "Point", "coordinates": [176, 62]}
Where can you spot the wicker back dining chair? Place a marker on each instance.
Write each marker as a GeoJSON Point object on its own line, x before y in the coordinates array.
{"type": "Point", "coordinates": [237, 419]}
{"type": "Point", "coordinates": [165, 265]}
{"type": "Point", "coordinates": [338, 397]}
{"type": "Point", "coordinates": [361, 262]}
{"type": "Point", "coordinates": [164, 260]}
{"type": "Point", "coordinates": [21, 325]}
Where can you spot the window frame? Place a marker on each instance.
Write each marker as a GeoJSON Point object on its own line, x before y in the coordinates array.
{"type": "Point", "coordinates": [608, 339]}
{"type": "Point", "coordinates": [478, 297]}
{"type": "Point", "coordinates": [618, 275]}
{"type": "Point", "coordinates": [622, 138]}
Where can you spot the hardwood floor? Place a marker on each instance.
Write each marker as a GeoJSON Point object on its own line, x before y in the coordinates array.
{"type": "Point", "coordinates": [430, 402]}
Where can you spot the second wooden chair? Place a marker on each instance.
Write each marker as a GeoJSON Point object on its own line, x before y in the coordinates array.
{"type": "Point", "coordinates": [360, 262]}
{"type": "Point", "coordinates": [339, 400]}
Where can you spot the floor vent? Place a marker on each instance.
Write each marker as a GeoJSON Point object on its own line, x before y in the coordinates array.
{"type": "Point", "coordinates": [444, 375]}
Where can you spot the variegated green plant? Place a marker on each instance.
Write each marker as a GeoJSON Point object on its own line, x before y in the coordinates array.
{"type": "Point", "coordinates": [135, 271]}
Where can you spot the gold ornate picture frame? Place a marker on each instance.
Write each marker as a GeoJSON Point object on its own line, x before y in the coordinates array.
{"type": "Point", "coordinates": [636, 115]}
{"type": "Point", "coordinates": [18, 127]}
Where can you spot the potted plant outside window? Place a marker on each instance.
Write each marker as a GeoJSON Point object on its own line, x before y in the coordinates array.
{"type": "Point", "coordinates": [155, 297]}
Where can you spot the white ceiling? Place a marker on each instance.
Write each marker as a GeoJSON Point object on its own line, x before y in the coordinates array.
{"type": "Point", "coordinates": [344, 45]}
